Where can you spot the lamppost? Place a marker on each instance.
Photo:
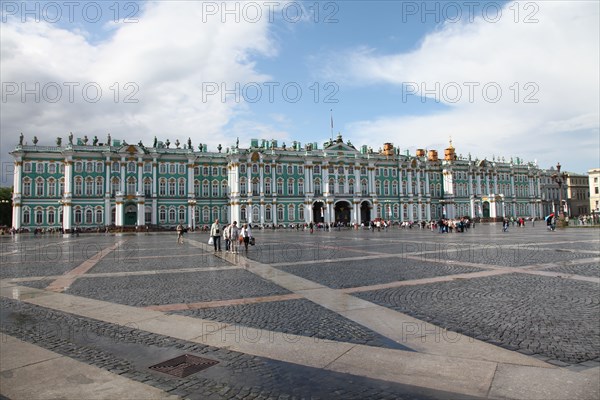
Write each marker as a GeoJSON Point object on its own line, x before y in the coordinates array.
{"type": "Point", "coordinates": [559, 178]}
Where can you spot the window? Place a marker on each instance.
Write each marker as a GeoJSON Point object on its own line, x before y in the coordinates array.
{"type": "Point", "coordinates": [181, 188]}
{"type": "Point", "coordinates": [78, 166]}
{"type": "Point", "coordinates": [254, 168]}
{"type": "Point", "coordinates": [89, 186]}
{"type": "Point", "coordinates": [280, 186]}
{"type": "Point", "coordinates": [215, 213]}
{"type": "Point", "coordinates": [39, 216]}
{"type": "Point", "coordinates": [205, 171]}
{"type": "Point", "coordinates": [26, 187]}
{"type": "Point", "coordinates": [300, 169]}
{"type": "Point", "coordinates": [268, 215]}
{"type": "Point", "coordinates": [148, 167]}
{"type": "Point", "coordinates": [78, 186]}
{"type": "Point", "coordinates": [162, 187]}
{"type": "Point", "coordinates": [215, 189]}
{"type": "Point", "coordinates": [301, 212]}
{"type": "Point", "coordinates": [291, 213]}
{"type": "Point", "coordinates": [39, 187]}
{"type": "Point", "coordinates": [255, 214]}
{"type": "Point", "coordinates": [99, 216]}
{"type": "Point", "coordinates": [196, 171]}
{"type": "Point", "coordinates": [181, 169]}
{"type": "Point", "coordinates": [89, 166]}
{"type": "Point", "coordinates": [290, 170]}
{"type": "Point", "coordinates": [318, 187]}
{"type": "Point", "coordinates": [317, 169]}
{"type": "Point", "coordinates": [280, 213]}
{"type": "Point", "coordinates": [224, 188]}
{"type": "Point", "coordinates": [51, 216]}
{"type": "Point", "coordinates": [351, 186]}
{"type": "Point", "coordinates": [61, 186]}
{"type": "Point", "coordinates": [267, 169]}
{"type": "Point", "coordinates": [378, 187]}
{"type": "Point", "coordinates": [181, 214]}
{"type": "Point", "coordinates": [162, 168]}
{"type": "Point", "coordinates": [351, 170]}
{"type": "Point", "coordinates": [172, 170]}
{"type": "Point", "coordinates": [162, 214]}
{"type": "Point", "coordinates": [148, 187]}
{"type": "Point", "coordinates": [215, 171]}
{"type": "Point", "coordinates": [243, 187]}
{"type": "Point", "coordinates": [363, 171]}
{"type": "Point", "coordinates": [99, 166]}
{"type": "Point", "coordinates": [242, 168]}
{"type": "Point", "coordinates": [279, 169]}
{"type": "Point", "coordinates": [27, 167]}
{"type": "Point", "coordinates": [255, 189]}
{"type": "Point", "coordinates": [78, 216]}
{"type": "Point", "coordinates": [172, 214]}
{"type": "Point", "coordinates": [88, 216]}
{"type": "Point", "coordinates": [300, 187]}
{"type": "Point", "coordinates": [330, 169]}
{"type": "Point", "coordinates": [115, 166]}
{"type": "Point", "coordinates": [205, 214]}
{"type": "Point", "coordinates": [131, 183]}
{"type": "Point", "coordinates": [290, 187]}
{"type": "Point", "coordinates": [51, 168]}
{"type": "Point", "coordinates": [267, 186]}
{"type": "Point", "coordinates": [26, 217]}
{"type": "Point", "coordinates": [172, 187]}
{"type": "Point", "coordinates": [51, 187]}
{"type": "Point", "coordinates": [205, 188]}
{"type": "Point", "coordinates": [243, 213]}
{"type": "Point", "coordinates": [331, 186]}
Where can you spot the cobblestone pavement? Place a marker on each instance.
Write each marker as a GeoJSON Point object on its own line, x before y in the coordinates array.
{"type": "Point", "coordinates": [298, 317]}
{"type": "Point", "coordinates": [130, 352]}
{"type": "Point", "coordinates": [553, 318]}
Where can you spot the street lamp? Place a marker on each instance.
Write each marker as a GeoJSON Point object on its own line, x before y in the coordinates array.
{"type": "Point", "coordinates": [559, 178]}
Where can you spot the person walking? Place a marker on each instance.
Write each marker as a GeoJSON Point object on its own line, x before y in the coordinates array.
{"type": "Point", "coordinates": [179, 234]}
{"type": "Point", "coordinates": [505, 225]}
{"type": "Point", "coordinates": [234, 234]}
{"type": "Point", "coordinates": [246, 233]}
{"type": "Point", "coordinates": [226, 237]}
{"type": "Point", "coordinates": [215, 233]}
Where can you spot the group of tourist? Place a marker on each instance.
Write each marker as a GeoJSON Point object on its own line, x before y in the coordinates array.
{"type": "Point", "coordinates": [232, 235]}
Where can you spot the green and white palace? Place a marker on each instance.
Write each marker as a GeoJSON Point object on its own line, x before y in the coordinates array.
{"type": "Point", "coordinates": [119, 184]}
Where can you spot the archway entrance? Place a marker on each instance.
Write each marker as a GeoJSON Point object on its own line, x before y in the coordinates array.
{"type": "Point", "coordinates": [486, 209]}
{"type": "Point", "coordinates": [318, 212]}
{"type": "Point", "coordinates": [130, 215]}
{"type": "Point", "coordinates": [365, 212]}
{"type": "Point", "coordinates": [342, 212]}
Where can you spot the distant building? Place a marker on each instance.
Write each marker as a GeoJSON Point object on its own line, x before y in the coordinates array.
{"type": "Point", "coordinates": [594, 189]}
{"type": "Point", "coordinates": [114, 183]}
{"type": "Point", "coordinates": [578, 194]}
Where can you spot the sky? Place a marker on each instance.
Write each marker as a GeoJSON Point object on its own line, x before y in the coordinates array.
{"type": "Point", "coordinates": [501, 79]}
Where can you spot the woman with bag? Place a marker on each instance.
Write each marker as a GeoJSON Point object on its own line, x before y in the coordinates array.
{"type": "Point", "coordinates": [215, 235]}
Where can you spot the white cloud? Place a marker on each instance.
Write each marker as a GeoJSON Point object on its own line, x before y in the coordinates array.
{"type": "Point", "coordinates": [168, 57]}
{"type": "Point", "coordinates": [559, 56]}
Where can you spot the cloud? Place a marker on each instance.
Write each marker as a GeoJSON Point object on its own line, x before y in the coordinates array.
{"type": "Point", "coordinates": [547, 73]}
{"type": "Point", "coordinates": [151, 75]}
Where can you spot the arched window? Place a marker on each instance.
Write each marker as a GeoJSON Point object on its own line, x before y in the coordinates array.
{"type": "Point", "coordinates": [351, 186]}
{"type": "Point", "coordinates": [78, 186]}
{"type": "Point", "coordinates": [162, 214]}
{"type": "Point", "coordinates": [254, 168]}
{"type": "Point", "coordinates": [197, 188]}
{"type": "Point", "coordinates": [172, 215]}
{"type": "Point", "coordinates": [89, 166]}
{"type": "Point", "coordinates": [51, 216]}
{"type": "Point", "coordinates": [291, 213]}
{"type": "Point", "coordinates": [378, 187]}
{"type": "Point", "coordinates": [51, 168]}
{"type": "Point", "coordinates": [115, 166]}
{"type": "Point", "coordinates": [300, 187]}
{"type": "Point", "coordinates": [268, 215]}
{"type": "Point", "coordinates": [99, 216]}
{"type": "Point", "coordinates": [280, 216]}
{"type": "Point", "coordinates": [99, 186]}
{"type": "Point", "coordinates": [182, 214]}
{"type": "Point", "coordinates": [301, 212]}
{"type": "Point", "coordinates": [318, 189]}
{"type": "Point", "coordinates": [215, 189]}
{"type": "Point", "coordinates": [148, 187]}
{"type": "Point", "coordinates": [99, 166]}
{"type": "Point", "coordinates": [205, 188]}
{"type": "Point", "coordinates": [39, 216]}
{"type": "Point", "coordinates": [267, 186]}
{"type": "Point", "coordinates": [116, 184]}
{"type": "Point", "coordinates": [317, 169]}
{"type": "Point", "coordinates": [331, 185]}
{"type": "Point", "coordinates": [78, 216]}
{"type": "Point", "coordinates": [172, 188]}
{"type": "Point", "coordinates": [224, 188]}
{"type": "Point", "coordinates": [290, 187]}
{"type": "Point", "coordinates": [172, 168]}
{"type": "Point", "coordinates": [78, 166]}
{"type": "Point", "coordinates": [255, 214]}
{"type": "Point", "coordinates": [130, 166]}
{"type": "Point", "coordinates": [131, 184]}
{"type": "Point", "coordinates": [280, 186]}
{"type": "Point", "coordinates": [162, 168]}
{"type": "Point", "coordinates": [243, 213]}
{"type": "Point", "coordinates": [181, 188]}
{"type": "Point", "coordinates": [364, 187]}
{"type": "Point", "coordinates": [89, 216]}
{"type": "Point", "coordinates": [181, 169]}
{"type": "Point", "coordinates": [242, 168]}
{"type": "Point", "coordinates": [61, 186]}
{"type": "Point", "coordinates": [267, 169]}
{"type": "Point", "coordinates": [215, 213]}
{"type": "Point", "coordinates": [290, 170]}
{"type": "Point", "coordinates": [205, 215]}
{"type": "Point", "coordinates": [51, 187]}
{"type": "Point", "coordinates": [162, 187]}
{"type": "Point", "coordinates": [89, 186]}
{"type": "Point", "coordinates": [26, 216]}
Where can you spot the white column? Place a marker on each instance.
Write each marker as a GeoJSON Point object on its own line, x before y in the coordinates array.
{"type": "Point", "coordinates": [411, 217]}
{"type": "Point", "coordinates": [470, 191]}
{"type": "Point", "coordinates": [487, 184]}
{"type": "Point", "coordinates": [418, 182]}
{"type": "Point", "coordinates": [262, 181]}
{"type": "Point", "coordinates": [249, 180]}
{"type": "Point", "coordinates": [107, 188]}
{"type": "Point", "coordinates": [141, 210]}
{"type": "Point", "coordinates": [409, 188]}
{"type": "Point", "coordinates": [123, 183]}
{"type": "Point", "coordinates": [495, 183]}
{"type": "Point", "coordinates": [262, 212]}
{"type": "Point", "coordinates": [154, 192]}
{"type": "Point", "coordinates": [274, 211]}
{"type": "Point", "coordinates": [119, 211]}
{"type": "Point", "coordinates": [190, 179]}
{"type": "Point", "coordinates": [249, 212]}
{"type": "Point", "coordinates": [357, 184]}
{"type": "Point", "coordinates": [140, 179]}
{"type": "Point", "coordinates": [428, 211]}
{"type": "Point", "coordinates": [427, 192]}
{"type": "Point", "coordinates": [478, 188]}
{"type": "Point", "coordinates": [325, 179]}
{"type": "Point", "coordinates": [17, 182]}
{"type": "Point", "coordinates": [512, 185]}
{"type": "Point", "coordinates": [68, 195]}
{"type": "Point", "coordinates": [346, 185]}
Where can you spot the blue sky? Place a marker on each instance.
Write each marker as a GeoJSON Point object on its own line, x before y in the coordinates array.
{"type": "Point", "coordinates": [512, 79]}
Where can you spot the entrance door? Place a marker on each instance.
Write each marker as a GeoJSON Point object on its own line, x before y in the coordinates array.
{"type": "Point", "coordinates": [130, 215]}
{"type": "Point", "coordinates": [365, 212]}
{"type": "Point", "coordinates": [318, 212]}
{"type": "Point", "coordinates": [342, 212]}
{"type": "Point", "coordinates": [486, 209]}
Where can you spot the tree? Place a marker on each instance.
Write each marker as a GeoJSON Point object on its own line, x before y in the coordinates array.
{"type": "Point", "coordinates": [6, 206]}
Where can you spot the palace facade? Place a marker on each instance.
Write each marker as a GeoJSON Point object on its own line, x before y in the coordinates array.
{"type": "Point", "coordinates": [114, 183]}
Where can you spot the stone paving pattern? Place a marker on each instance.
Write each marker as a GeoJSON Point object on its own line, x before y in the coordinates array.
{"type": "Point", "coordinates": [581, 269]}
{"type": "Point", "coordinates": [298, 317]}
{"type": "Point", "coordinates": [551, 317]}
{"type": "Point", "coordinates": [129, 352]}
{"type": "Point", "coordinates": [175, 288]}
{"type": "Point", "coordinates": [345, 274]}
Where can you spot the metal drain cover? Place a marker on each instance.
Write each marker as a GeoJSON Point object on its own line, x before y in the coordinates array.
{"type": "Point", "coordinates": [184, 365]}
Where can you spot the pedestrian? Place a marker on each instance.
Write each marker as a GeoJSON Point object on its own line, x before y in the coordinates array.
{"type": "Point", "coordinates": [215, 233]}
{"type": "Point", "coordinates": [234, 234]}
{"type": "Point", "coordinates": [179, 234]}
{"type": "Point", "coordinates": [505, 225]}
{"type": "Point", "coordinates": [246, 233]}
{"type": "Point", "coordinates": [311, 227]}
{"type": "Point", "coordinates": [226, 237]}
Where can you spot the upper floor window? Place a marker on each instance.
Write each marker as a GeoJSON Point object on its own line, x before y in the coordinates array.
{"type": "Point", "coordinates": [78, 166]}
{"type": "Point", "coordinates": [115, 166]}
{"type": "Point", "coordinates": [51, 168]}
{"type": "Point", "coordinates": [27, 167]}
{"type": "Point", "coordinates": [317, 169]}
{"type": "Point", "coordinates": [89, 166]}
{"type": "Point", "coordinates": [279, 169]}
{"type": "Point", "coordinates": [290, 170]}
{"type": "Point", "coordinates": [267, 169]}
{"type": "Point", "coordinates": [172, 169]}
{"type": "Point", "coordinates": [242, 168]}
{"type": "Point", "coordinates": [162, 168]}
{"type": "Point", "coordinates": [39, 167]}
{"type": "Point", "coordinates": [181, 169]}
{"type": "Point", "coordinates": [148, 167]}
{"type": "Point", "coordinates": [99, 166]}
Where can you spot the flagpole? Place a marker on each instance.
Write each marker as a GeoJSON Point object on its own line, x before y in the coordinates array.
{"type": "Point", "coordinates": [331, 114]}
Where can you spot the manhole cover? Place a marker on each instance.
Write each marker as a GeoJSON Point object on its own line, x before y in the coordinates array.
{"type": "Point", "coordinates": [184, 365]}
